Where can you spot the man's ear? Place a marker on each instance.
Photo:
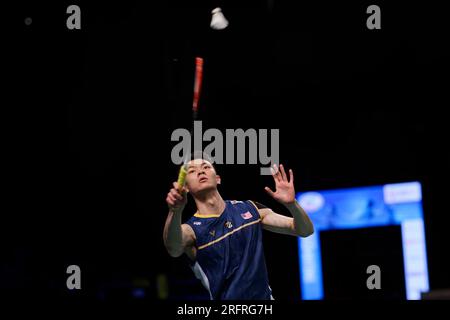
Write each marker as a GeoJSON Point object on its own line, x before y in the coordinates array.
{"type": "Point", "coordinates": [218, 179]}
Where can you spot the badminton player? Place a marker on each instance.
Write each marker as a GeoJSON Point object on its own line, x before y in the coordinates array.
{"type": "Point", "coordinates": [223, 239]}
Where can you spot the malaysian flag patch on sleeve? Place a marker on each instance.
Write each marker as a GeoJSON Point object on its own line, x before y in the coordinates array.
{"type": "Point", "coordinates": [246, 215]}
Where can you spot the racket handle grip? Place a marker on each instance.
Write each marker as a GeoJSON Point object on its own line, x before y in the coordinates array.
{"type": "Point", "coordinates": [181, 178]}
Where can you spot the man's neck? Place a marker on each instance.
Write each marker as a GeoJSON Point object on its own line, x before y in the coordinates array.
{"type": "Point", "coordinates": [210, 204]}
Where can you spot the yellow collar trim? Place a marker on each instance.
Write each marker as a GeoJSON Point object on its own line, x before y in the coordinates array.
{"type": "Point", "coordinates": [206, 215]}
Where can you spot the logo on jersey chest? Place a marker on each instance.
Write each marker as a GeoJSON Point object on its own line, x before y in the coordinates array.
{"type": "Point", "coordinates": [213, 233]}
{"type": "Point", "coordinates": [228, 224]}
{"type": "Point", "coordinates": [197, 223]}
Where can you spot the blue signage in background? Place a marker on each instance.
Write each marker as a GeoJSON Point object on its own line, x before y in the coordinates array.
{"type": "Point", "coordinates": [390, 204]}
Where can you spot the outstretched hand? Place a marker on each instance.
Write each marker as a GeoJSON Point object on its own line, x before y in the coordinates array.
{"type": "Point", "coordinates": [284, 188]}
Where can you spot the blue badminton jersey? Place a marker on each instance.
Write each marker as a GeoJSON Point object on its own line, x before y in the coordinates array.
{"type": "Point", "coordinates": [230, 260]}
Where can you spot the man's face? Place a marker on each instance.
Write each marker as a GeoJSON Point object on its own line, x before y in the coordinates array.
{"type": "Point", "coordinates": [201, 176]}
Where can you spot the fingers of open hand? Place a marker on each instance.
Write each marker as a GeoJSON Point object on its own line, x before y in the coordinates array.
{"type": "Point", "coordinates": [283, 173]}
{"type": "Point", "coordinates": [276, 173]}
{"type": "Point", "coordinates": [269, 191]}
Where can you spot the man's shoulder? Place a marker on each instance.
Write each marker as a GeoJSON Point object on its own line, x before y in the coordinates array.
{"type": "Point", "coordinates": [253, 203]}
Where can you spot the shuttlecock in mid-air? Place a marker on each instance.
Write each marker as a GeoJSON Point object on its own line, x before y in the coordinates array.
{"type": "Point", "coordinates": [218, 21]}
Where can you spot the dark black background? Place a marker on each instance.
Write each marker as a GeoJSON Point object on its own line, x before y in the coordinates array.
{"type": "Point", "coordinates": [347, 254]}
{"type": "Point", "coordinates": [88, 116]}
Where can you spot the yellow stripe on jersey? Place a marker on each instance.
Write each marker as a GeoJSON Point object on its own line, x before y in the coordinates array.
{"type": "Point", "coordinates": [227, 234]}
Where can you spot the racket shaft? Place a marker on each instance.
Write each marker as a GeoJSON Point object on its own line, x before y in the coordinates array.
{"type": "Point", "coordinates": [198, 82]}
